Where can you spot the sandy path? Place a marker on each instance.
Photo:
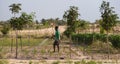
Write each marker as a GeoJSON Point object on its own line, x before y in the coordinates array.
{"type": "Point", "coordinates": [18, 61]}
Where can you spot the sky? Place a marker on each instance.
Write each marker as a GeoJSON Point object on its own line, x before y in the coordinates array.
{"type": "Point", "coordinates": [88, 9]}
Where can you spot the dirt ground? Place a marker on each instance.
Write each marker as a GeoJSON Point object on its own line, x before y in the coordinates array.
{"type": "Point", "coordinates": [19, 61]}
{"type": "Point", "coordinates": [43, 53]}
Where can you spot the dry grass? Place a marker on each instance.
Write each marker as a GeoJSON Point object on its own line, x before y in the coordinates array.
{"type": "Point", "coordinates": [41, 32]}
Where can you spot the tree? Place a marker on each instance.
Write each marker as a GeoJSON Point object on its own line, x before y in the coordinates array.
{"type": "Point", "coordinates": [43, 21]}
{"type": "Point", "coordinates": [20, 22]}
{"type": "Point", "coordinates": [83, 25]}
{"type": "Point", "coordinates": [71, 17]}
{"type": "Point", "coordinates": [23, 20]}
{"type": "Point", "coordinates": [37, 22]}
{"type": "Point", "coordinates": [15, 8]}
{"type": "Point", "coordinates": [108, 17]}
{"type": "Point", "coordinates": [102, 31]}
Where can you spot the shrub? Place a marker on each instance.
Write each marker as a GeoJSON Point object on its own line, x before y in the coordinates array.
{"type": "Point", "coordinates": [87, 39]}
{"type": "Point", "coordinates": [56, 62]}
{"type": "Point", "coordinates": [91, 62]}
{"type": "Point", "coordinates": [115, 40]}
{"type": "Point", "coordinates": [77, 62]}
{"type": "Point", "coordinates": [30, 62]}
{"type": "Point", "coordinates": [5, 29]}
{"type": "Point", "coordinates": [68, 32]}
{"type": "Point", "coordinates": [100, 37]}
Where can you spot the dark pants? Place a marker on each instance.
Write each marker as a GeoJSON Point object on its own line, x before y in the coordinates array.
{"type": "Point", "coordinates": [56, 43]}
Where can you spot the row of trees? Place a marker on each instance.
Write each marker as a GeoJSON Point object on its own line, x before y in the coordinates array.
{"type": "Point", "coordinates": [17, 23]}
{"type": "Point", "coordinates": [55, 21]}
{"type": "Point", "coordinates": [23, 21]}
{"type": "Point", "coordinates": [70, 17]}
{"type": "Point", "coordinates": [108, 19]}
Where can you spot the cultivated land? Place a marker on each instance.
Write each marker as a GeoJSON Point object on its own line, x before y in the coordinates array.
{"type": "Point", "coordinates": [37, 49]}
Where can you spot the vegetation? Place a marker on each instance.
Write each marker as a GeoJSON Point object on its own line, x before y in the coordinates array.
{"type": "Point", "coordinates": [87, 39]}
{"type": "Point", "coordinates": [115, 40]}
{"type": "Point", "coordinates": [109, 18]}
{"type": "Point", "coordinates": [57, 62]}
{"type": "Point", "coordinates": [82, 25]}
{"type": "Point", "coordinates": [24, 20]}
{"type": "Point", "coordinates": [33, 42]}
{"type": "Point", "coordinates": [4, 62]}
{"type": "Point", "coordinates": [5, 29]}
{"type": "Point", "coordinates": [15, 8]}
{"type": "Point", "coordinates": [39, 46]}
{"type": "Point", "coordinates": [71, 17]}
{"type": "Point", "coordinates": [50, 21]}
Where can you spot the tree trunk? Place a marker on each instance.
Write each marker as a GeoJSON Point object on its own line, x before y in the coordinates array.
{"type": "Point", "coordinates": [16, 43]}
{"type": "Point", "coordinates": [84, 44]}
{"type": "Point", "coordinates": [108, 45]}
{"type": "Point", "coordinates": [21, 42]}
{"type": "Point", "coordinates": [11, 42]}
{"type": "Point", "coordinates": [70, 47]}
{"type": "Point", "coordinates": [28, 39]}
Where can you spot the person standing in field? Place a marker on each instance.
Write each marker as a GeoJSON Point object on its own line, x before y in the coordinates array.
{"type": "Point", "coordinates": [57, 39]}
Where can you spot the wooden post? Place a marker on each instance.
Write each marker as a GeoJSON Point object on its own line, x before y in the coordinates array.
{"type": "Point", "coordinates": [70, 46]}
{"type": "Point", "coordinates": [16, 44]}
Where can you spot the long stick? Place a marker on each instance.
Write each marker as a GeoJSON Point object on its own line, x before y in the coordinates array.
{"type": "Point", "coordinates": [16, 44]}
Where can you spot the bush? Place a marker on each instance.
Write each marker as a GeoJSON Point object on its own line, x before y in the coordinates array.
{"type": "Point", "coordinates": [56, 62]}
{"type": "Point", "coordinates": [77, 62]}
{"type": "Point", "coordinates": [91, 62]}
{"type": "Point", "coordinates": [68, 32]}
{"type": "Point", "coordinates": [115, 40]}
{"type": "Point", "coordinates": [87, 39]}
{"type": "Point", "coordinates": [100, 37]}
{"type": "Point", "coordinates": [5, 29]}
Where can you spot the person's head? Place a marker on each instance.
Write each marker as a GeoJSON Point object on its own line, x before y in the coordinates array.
{"type": "Point", "coordinates": [56, 28]}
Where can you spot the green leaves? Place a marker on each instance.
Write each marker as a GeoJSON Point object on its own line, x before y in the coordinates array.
{"type": "Point", "coordinates": [5, 29]}
{"type": "Point", "coordinates": [109, 18]}
{"type": "Point", "coordinates": [115, 40]}
{"type": "Point", "coordinates": [15, 8]}
{"type": "Point", "coordinates": [71, 17]}
{"type": "Point", "coordinates": [19, 23]}
{"type": "Point", "coordinates": [83, 38]}
{"type": "Point", "coordinates": [83, 24]}
{"type": "Point", "coordinates": [87, 39]}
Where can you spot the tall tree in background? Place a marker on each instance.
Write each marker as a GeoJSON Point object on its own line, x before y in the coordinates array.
{"type": "Point", "coordinates": [108, 18]}
{"type": "Point", "coordinates": [15, 8]}
{"type": "Point", "coordinates": [20, 22]}
{"type": "Point", "coordinates": [83, 25]}
{"type": "Point", "coordinates": [71, 16]}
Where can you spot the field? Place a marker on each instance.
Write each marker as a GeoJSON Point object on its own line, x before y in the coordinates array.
{"type": "Point", "coordinates": [36, 48]}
